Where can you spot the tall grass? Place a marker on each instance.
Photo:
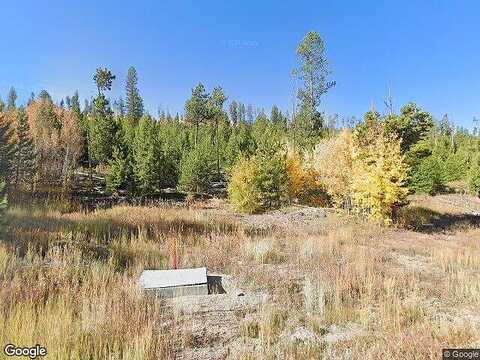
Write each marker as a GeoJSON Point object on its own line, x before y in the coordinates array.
{"type": "Point", "coordinates": [68, 281]}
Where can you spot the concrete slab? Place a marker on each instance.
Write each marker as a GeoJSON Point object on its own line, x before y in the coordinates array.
{"type": "Point", "coordinates": [178, 282]}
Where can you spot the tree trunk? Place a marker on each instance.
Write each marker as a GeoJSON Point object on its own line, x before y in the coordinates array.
{"type": "Point", "coordinates": [65, 167]}
{"type": "Point", "coordinates": [17, 169]}
{"type": "Point", "coordinates": [196, 133]}
{"type": "Point", "coordinates": [218, 151]}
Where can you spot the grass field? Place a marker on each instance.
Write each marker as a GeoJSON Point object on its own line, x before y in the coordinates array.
{"type": "Point", "coordinates": [323, 284]}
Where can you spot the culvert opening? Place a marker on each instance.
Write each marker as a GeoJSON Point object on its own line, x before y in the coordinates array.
{"type": "Point", "coordinates": [215, 284]}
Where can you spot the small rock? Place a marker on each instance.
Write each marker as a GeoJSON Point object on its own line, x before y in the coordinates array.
{"type": "Point", "coordinates": [336, 333]}
{"type": "Point", "coordinates": [304, 335]}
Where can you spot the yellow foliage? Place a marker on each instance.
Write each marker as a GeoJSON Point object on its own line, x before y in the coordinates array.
{"type": "Point", "coordinates": [379, 174]}
{"type": "Point", "coordinates": [242, 190]}
{"type": "Point", "coordinates": [296, 181]}
{"type": "Point", "coordinates": [332, 160]}
{"type": "Point", "coordinates": [303, 181]}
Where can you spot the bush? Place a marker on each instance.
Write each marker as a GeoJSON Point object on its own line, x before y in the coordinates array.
{"type": "Point", "coordinates": [259, 183]}
{"type": "Point", "coordinates": [474, 177]}
{"type": "Point", "coordinates": [426, 177]}
{"type": "Point", "coordinates": [332, 159]}
{"type": "Point", "coordinates": [303, 183]}
{"type": "Point", "coordinates": [454, 167]}
{"type": "Point", "coordinates": [119, 171]}
{"type": "Point", "coordinates": [379, 174]}
{"type": "Point", "coordinates": [197, 168]}
{"type": "Point", "coordinates": [242, 189]}
{"type": "Point", "coordinates": [240, 143]}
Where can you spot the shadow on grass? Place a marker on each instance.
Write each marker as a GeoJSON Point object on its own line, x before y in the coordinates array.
{"type": "Point", "coordinates": [425, 220]}
{"type": "Point", "coordinates": [102, 237]}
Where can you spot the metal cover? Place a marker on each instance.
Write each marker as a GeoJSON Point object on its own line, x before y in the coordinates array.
{"type": "Point", "coordinates": [154, 279]}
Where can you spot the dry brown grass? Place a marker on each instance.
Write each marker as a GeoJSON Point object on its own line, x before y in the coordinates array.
{"type": "Point", "coordinates": [360, 291]}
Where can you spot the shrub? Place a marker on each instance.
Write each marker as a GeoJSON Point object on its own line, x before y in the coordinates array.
{"type": "Point", "coordinates": [240, 143]}
{"type": "Point", "coordinates": [259, 183]}
{"type": "Point", "coordinates": [474, 177]}
{"type": "Point", "coordinates": [197, 168]}
{"type": "Point", "coordinates": [454, 167]}
{"type": "Point", "coordinates": [242, 190]}
{"type": "Point", "coordinates": [426, 177]}
{"type": "Point", "coordinates": [379, 174]}
{"type": "Point", "coordinates": [303, 182]}
{"type": "Point", "coordinates": [272, 182]}
{"type": "Point", "coordinates": [332, 160]}
{"type": "Point", "coordinates": [119, 171]}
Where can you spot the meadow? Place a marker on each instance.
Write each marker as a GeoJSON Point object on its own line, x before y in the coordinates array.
{"type": "Point", "coordinates": [331, 285]}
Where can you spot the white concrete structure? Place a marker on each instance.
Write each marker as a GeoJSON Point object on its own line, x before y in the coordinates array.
{"type": "Point", "coordinates": [178, 282]}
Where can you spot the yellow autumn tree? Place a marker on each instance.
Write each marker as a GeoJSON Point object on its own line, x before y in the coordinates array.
{"type": "Point", "coordinates": [379, 174]}
{"type": "Point", "coordinates": [332, 160]}
{"type": "Point", "coordinates": [57, 138]}
{"type": "Point", "coordinates": [303, 184]}
{"type": "Point", "coordinates": [242, 190]}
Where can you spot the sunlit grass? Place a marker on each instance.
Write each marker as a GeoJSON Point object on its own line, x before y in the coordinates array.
{"type": "Point", "coordinates": [69, 282]}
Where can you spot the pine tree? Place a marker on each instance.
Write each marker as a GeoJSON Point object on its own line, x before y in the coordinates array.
{"type": "Point", "coordinates": [473, 176]}
{"type": "Point", "coordinates": [12, 98]}
{"type": "Point", "coordinates": [216, 113]}
{"type": "Point", "coordinates": [259, 183]}
{"type": "Point", "coordinates": [24, 158]}
{"type": "Point", "coordinates": [44, 95]}
{"type": "Point", "coordinates": [6, 148]}
{"type": "Point", "coordinates": [426, 177]}
{"type": "Point", "coordinates": [313, 71]}
{"type": "Point", "coordinates": [196, 108]}
{"type": "Point", "coordinates": [134, 100]}
{"type": "Point", "coordinates": [103, 128]}
{"type": "Point", "coordinates": [102, 131]}
{"type": "Point", "coordinates": [119, 107]}
{"type": "Point", "coordinates": [241, 112]}
{"type": "Point", "coordinates": [119, 170]}
{"type": "Point", "coordinates": [233, 109]}
{"type": "Point", "coordinates": [31, 99]}
{"type": "Point", "coordinates": [197, 168]}
{"type": "Point", "coordinates": [120, 167]}
{"type": "Point", "coordinates": [276, 116]}
{"type": "Point", "coordinates": [150, 167]}
{"type": "Point", "coordinates": [75, 104]}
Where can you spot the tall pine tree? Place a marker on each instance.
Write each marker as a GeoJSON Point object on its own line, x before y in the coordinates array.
{"type": "Point", "coordinates": [149, 163]}
{"type": "Point", "coordinates": [103, 129]}
{"type": "Point", "coordinates": [134, 100]}
{"type": "Point", "coordinates": [196, 108]}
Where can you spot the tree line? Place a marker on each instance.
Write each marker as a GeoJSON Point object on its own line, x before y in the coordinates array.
{"type": "Point", "coordinates": [267, 160]}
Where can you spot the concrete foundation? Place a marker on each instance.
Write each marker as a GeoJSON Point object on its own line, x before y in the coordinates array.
{"type": "Point", "coordinates": [174, 283]}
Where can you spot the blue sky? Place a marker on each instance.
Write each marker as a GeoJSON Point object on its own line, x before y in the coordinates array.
{"type": "Point", "coordinates": [426, 51]}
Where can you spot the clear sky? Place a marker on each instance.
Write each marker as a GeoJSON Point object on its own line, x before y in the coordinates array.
{"type": "Point", "coordinates": [426, 51]}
